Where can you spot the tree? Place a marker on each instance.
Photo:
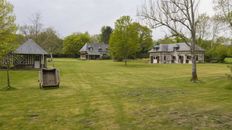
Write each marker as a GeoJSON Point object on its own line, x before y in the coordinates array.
{"type": "Point", "coordinates": [95, 38]}
{"type": "Point", "coordinates": [203, 26]}
{"type": "Point", "coordinates": [105, 34]}
{"type": "Point", "coordinates": [124, 41]}
{"type": "Point", "coordinates": [219, 52]}
{"type": "Point", "coordinates": [50, 41]}
{"type": "Point", "coordinates": [224, 11]}
{"type": "Point", "coordinates": [7, 33]}
{"type": "Point", "coordinates": [73, 43]}
{"type": "Point", "coordinates": [32, 30]}
{"type": "Point", "coordinates": [230, 74]}
{"type": "Point", "coordinates": [179, 17]}
{"type": "Point", "coordinates": [45, 37]}
{"type": "Point", "coordinates": [170, 40]}
{"type": "Point", "coordinates": [145, 38]}
{"type": "Point", "coordinates": [216, 27]}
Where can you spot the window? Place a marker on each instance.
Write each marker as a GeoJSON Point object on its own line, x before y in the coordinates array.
{"type": "Point", "coordinates": [188, 57]}
{"type": "Point", "coordinates": [90, 48]}
{"type": "Point", "coordinates": [173, 57]}
{"type": "Point", "coordinates": [100, 49]}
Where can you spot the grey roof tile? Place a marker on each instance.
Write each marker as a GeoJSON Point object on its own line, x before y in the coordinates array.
{"type": "Point", "coordinates": [170, 47]}
{"type": "Point", "coordinates": [94, 48]}
{"type": "Point", "coordinates": [30, 47]}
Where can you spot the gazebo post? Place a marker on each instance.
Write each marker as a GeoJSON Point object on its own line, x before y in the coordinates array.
{"type": "Point", "coordinates": [43, 61]}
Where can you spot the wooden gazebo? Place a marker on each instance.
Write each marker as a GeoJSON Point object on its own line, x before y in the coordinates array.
{"type": "Point", "coordinates": [30, 55]}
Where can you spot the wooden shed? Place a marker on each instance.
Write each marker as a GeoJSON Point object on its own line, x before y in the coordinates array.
{"type": "Point", "coordinates": [30, 55]}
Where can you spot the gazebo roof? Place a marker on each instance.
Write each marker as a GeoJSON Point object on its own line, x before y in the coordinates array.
{"type": "Point", "coordinates": [30, 47]}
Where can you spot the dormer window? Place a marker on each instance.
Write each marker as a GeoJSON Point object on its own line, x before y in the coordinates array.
{"type": "Point", "coordinates": [90, 48]}
{"type": "Point", "coordinates": [176, 47]}
{"type": "Point", "coordinates": [156, 48]}
{"type": "Point", "coordinates": [100, 49]}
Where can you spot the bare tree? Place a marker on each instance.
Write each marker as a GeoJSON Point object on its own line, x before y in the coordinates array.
{"type": "Point", "coordinates": [36, 25]}
{"type": "Point", "coordinates": [32, 30]}
{"type": "Point", "coordinates": [203, 26]}
{"type": "Point", "coordinates": [179, 16]}
{"type": "Point", "coordinates": [224, 10]}
{"type": "Point", "coordinates": [216, 28]}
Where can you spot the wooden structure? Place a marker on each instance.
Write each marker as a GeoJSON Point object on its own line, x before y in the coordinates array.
{"type": "Point", "coordinates": [30, 55]}
{"type": "Point", "coordinates": [49, 78]}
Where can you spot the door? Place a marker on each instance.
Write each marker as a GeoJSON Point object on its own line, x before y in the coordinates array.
{"type": "Point", "coordinates": [158, 59]}
{"type": "Point", "coordinates": [37, 62]}
{"type": "Point", "coordinates": [151, 60]}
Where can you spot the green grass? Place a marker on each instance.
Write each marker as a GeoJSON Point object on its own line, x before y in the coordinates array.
{"type": "Point", "coordinates": [107, 95]}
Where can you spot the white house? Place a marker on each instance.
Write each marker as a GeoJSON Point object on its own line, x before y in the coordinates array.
{"type": "Point", "coordinates": [175, 53]}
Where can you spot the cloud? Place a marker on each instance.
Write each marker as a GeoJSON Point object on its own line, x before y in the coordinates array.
{"type": "Point", "coordinates": [68, 16]}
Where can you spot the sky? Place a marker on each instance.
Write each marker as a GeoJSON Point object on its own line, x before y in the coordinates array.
{"type": "Point", "coordinates": [70, 16]}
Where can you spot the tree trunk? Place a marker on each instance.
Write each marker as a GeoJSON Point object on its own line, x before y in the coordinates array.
{"type": "Point", "coordinates": [125, 60]}
{"type": "Point", "coordinates": [193, 43]}
{"type": "Point", "coordinates": [8, 75]}
{"type": "Point", "coordinates": [194, 69]}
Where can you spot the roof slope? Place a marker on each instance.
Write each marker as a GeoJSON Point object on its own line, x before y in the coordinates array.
{"type": "Point", "coordinates": [95, 48]}
{"type": "Point", "coordinates": [171, 47]}
{"type": "Point", "coordinates": [30, 47]}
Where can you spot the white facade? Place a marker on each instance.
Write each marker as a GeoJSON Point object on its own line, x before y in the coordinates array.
{"type": "Point", "coordinates": [179, 53]}
{"type": "Point", "coordinates": [175, 58]}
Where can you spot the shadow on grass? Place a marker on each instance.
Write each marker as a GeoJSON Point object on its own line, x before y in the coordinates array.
{"type": "Point", "coordinates": [50, 88]}
{"type": "Point", "coordinates": [133, 65]}
{"type": "Point", "coordinates": [8, 89]}
{"type": "Point", "coordinates": [229, 86]}
{"type": "Point", "coordinates": [21, 69]}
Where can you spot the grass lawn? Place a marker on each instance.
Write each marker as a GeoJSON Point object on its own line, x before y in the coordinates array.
{"type": "Point", "coordinates": [108, 95]}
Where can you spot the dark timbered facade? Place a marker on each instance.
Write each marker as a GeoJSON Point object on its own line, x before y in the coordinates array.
{"type": "Point", "coordinates": [28, 55]}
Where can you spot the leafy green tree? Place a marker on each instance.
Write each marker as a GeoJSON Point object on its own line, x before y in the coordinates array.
{"type": "Point", "coordinates": [19, 39]}
{"type": "Point", "coordinates": [50, 41]}
{"type": "Point", "coordinates": [73, 43]}
{"type": "Point", "coordinates": [105, 34]}
{"type": "Point", "coordinates": [145, 38]}
{"type": "Point", "coordinates": [166, 40]}
{"type": "Point", "coordinates": [124, 41]}
{"type": "Point", "coordinates": [170, 40]}
{"type": "Point", "coordinates": [230, 74]}
{"type": "Point", "coordinates": [7, 33]}
{"type": "Point", "coordinates": [218, 53]}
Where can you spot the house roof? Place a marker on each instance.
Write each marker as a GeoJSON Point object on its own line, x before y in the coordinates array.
{"type": "Point", "coordinates": [171, 47]}
{"type": "Point", "coordinates": [30, 47]}
{"type": "Point", "coordinates": [94, 48]}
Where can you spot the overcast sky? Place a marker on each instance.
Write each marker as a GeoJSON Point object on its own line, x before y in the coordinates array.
{"type": "Point", "coordinates": [69, 16]}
